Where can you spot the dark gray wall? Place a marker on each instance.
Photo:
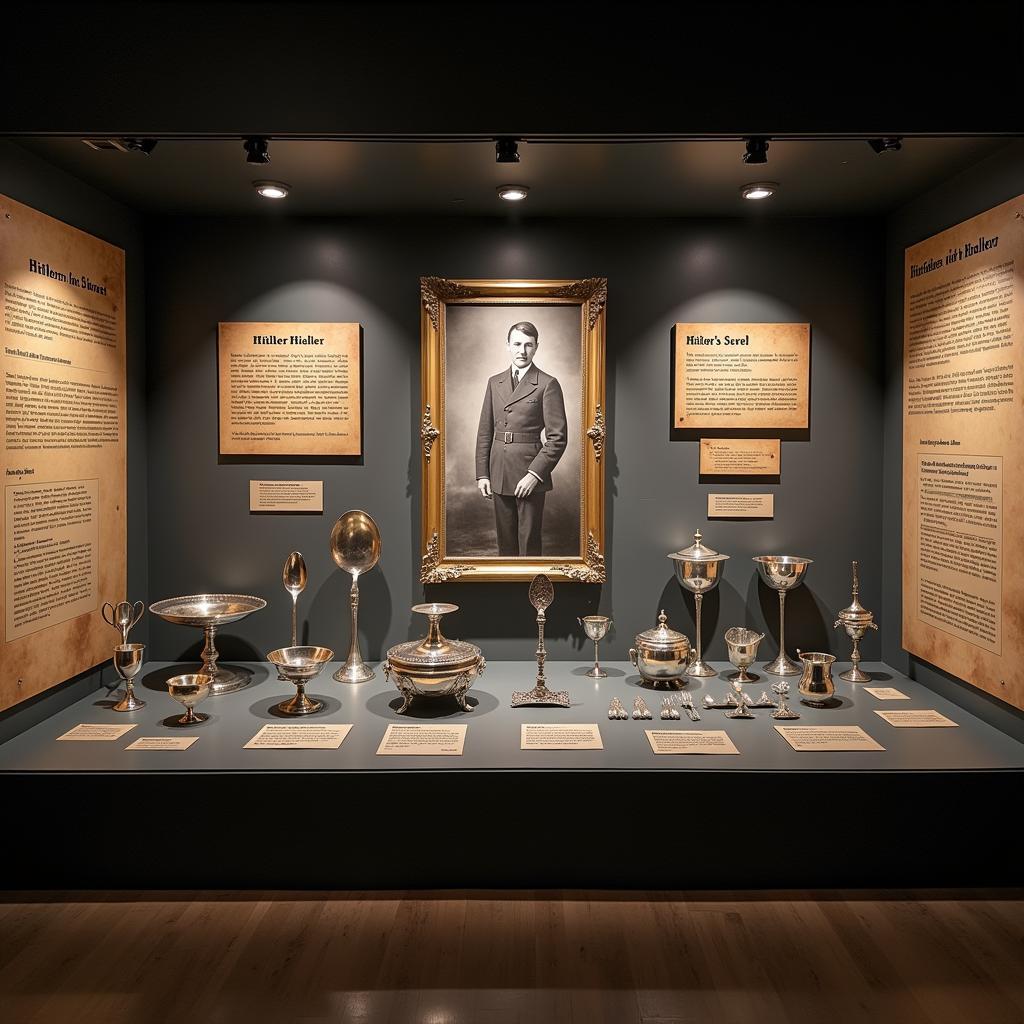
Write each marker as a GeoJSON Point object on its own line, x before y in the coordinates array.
{"type": "Point", "coordinates": [988, 184]}
{"type": "Point", "coordinates": [828, 504]}
{"type": "Point", "coordinates": [40, 185]}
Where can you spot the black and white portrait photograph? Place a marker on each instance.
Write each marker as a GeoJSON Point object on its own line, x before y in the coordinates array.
{"type": "Point", "coordinates": [513, 429]}
{"type": "Point", "coordinates": [513, 395]}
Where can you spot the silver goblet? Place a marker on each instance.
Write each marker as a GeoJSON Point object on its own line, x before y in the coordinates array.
{"type": "Point", "coordinates": [782, 573]}
{"type": "Point", "coordinates": [128, 664]}
{"type": "Point", "coordinates": [596, 627]}
{"type": "Point", "coordinates": [300, 665]}
{"type": "Point", "coordinates": [189, 690]}
{"type": "Point", "coordinates": [698, 570]}
{"type": "Point", "coordinates": [742, 644]}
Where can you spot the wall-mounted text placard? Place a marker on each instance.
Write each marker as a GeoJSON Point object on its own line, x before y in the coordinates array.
{"type": "Point", "coordinates": [741, 506]}
{"type": "Point", "coordinates": [740, 456]}
{"type": "Point", "coordinates": [742, 376]}
{"type": "Point", "coordinates": [289, 389]}
{"type": "Point", "coordinates": [286, 495]}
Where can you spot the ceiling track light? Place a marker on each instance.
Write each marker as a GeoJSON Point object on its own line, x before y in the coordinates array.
{"type": "Point", "coordinates": [506, 151]}
{"type": "Point", "coordinates": [886, 144]}
{"type": "Point", "coordinates": [272, 189]}
{"type": "Point", "coordinates": [757, 150]}
{"type": "Point", "coordinates": [759, 190]}
{"type": "Point", "coordinates": [256, 150]}
{"type": "Point", "coordinates": [513, 193]}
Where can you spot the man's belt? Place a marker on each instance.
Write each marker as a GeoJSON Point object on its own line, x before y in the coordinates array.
{"type": "Point", "coordinates": [515, 437]}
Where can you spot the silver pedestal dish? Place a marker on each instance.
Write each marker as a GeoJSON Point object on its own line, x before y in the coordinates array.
{"type": "Point", "coordinates": [698, 569]}
{"type": "Point", "coordinates": [856, 620]}
{"type": "Point", "coordinates": [300, 665]}
{"type": "Point", "coordinates": [661, 654]}
{"type": "Point", "coordinates": [782, 573]}
{"type": "Point", "coordinates": [209, 612]}
{"type": "Point", "coordinates": [434, 666]}
{"type": "Point", "coordinates": [355, 548]}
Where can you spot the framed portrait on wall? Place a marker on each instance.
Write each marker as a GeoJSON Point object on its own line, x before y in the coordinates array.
{"type": "Point", "coordinates": [513, 431]}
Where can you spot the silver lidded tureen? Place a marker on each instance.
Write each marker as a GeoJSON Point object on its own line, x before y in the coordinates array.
{"type": "Point", "coordinates": [661, 654]}
{"type": "Point", "coordinates": [434, 666]}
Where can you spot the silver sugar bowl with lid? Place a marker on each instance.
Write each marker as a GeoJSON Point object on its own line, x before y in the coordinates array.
{"type": "Point", "coordinates": [661, 654]}
{"type": "Point", "coordinates": [434, 666]}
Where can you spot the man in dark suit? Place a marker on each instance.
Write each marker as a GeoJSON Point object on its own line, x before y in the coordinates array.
{"type": "Point", "coordinates": [513, 463]}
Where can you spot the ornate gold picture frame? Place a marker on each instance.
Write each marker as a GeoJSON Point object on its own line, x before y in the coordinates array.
{"type": "Point", "coordinates": [494, 425]}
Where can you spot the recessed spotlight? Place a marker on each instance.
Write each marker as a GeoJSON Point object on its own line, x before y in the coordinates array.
{"type": "Point", "coordinates": [759, 190]}
{"type": "Point", "coordinates": [513, 193]}
{"type": "Point", "coordinates": [890, 144]}
{"type": "Point", "coordinates": [757, 150]}
{"type": "Point", "coordinates": [271, 189]}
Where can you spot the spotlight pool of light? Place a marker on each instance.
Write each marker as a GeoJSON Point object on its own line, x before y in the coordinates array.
{"type": "Point", "coordinates": [271, 189]}
{"type": "Point", "coordinates": [759, 190]}
{"type": "Point", "coordinates": [513, 193]}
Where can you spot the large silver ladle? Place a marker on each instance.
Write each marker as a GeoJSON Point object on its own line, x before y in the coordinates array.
{"type": "Point", "coordinates": [355, 548]}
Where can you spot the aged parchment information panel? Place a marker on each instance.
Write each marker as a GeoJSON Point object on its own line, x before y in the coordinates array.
{"type": "Point", "coordinates": [63, 421]}
{"type": "Point", "coordinates": [289, 389]}
{"type": "Point", "coordinates": [740, 456]}
{"type": "Point", "coordinates": [742, 376]}
{"type": "Point", "coordinates": [963, 451]}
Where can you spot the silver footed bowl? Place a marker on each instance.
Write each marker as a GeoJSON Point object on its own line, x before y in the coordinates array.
{"type": "Point", "coordinates": [782, 572]}
{"type": "Point", "coordinates": [300, 663]}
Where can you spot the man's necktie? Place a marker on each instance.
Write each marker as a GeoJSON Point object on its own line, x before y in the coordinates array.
{"type": "Point", "coordinates": [515, 379]}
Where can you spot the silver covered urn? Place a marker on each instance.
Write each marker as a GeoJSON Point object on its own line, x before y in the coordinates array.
{"type": "Point", "coordinates": [698, 570]}
{"type": "Point", "coordinates": [856, 620]}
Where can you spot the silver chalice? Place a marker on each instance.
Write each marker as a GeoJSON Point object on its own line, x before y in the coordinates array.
{"type": "Point", "coordinates": [742, 644]}
{"type": "Point", "coordinates": [188, 690]}
{"type": "Point", "coordinates": [782, 573]}
{"type": "Point", "coordinates": [300, 665]}
{"type": "Point", "coordinates": [596, 627]}
{"type": "Point", "coordinates": [698, 570]}
{"type": "Point", "coordinates": [128, 664]}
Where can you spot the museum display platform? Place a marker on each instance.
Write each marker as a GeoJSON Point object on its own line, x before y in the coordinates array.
{"type": "Point", "coordinates": [932, 808]}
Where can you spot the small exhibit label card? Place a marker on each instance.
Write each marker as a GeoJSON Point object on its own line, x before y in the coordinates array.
{"type": "Point", "coordinates": [418, 740]}
{"type": "Point", "coordinates": [298, 737]}
{"type": "Point", "coordinates": [87, 731]}
{"type": "Point", "coordinates": [739, 456]}
{"type": "Point", "coordinates": [917, 719]}
{"type": "Point", "coordinates": [286, 495]}
{"type": "Point", "coordinates": [741, 506]}
{"type": "Point", "coordinates": [162, 743]}
{"type": "Point", "coordinates": [700, 741]}
{"type": "Point", "coordinates": [886, 693]}
{"type": "Point", "coordinates": [827, 737]}
{"type": "Point", "coordinates": [538, 736]}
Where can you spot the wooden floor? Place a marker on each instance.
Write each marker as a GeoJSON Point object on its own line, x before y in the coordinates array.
{"type": "Point", "coordinates": [498, 958]}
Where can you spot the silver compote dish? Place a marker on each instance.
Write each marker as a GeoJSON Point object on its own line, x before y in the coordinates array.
{"type": "Point", "coordinates": [300, 665]}
{"type": "Point", "coordinates": [434, 666]}
{"type": "Point", "coordinates": [208, 612]}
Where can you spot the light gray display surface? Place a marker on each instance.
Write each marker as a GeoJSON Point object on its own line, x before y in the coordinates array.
{"type": "Point", "coordinates": [492, 741]}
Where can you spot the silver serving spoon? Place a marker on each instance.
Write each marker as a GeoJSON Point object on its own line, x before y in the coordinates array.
{"type": "Point", "coordinates": [294, 578]}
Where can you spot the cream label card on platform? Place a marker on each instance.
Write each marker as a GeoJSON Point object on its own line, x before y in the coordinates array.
{"type": "Point", "coordinates": [741, 506]}
{"type": "Point", "coordinates": [289, 389]}
{"type": "Point", "coordinates": [827, 737]}
{"type": "Point", "coordinates": [917, 719]}
{"type": "Point", "coordinates": [541, 736]}
{"type": "Point", "coordinates": [162, 743]}
{"type": "Point", "coordinates": [286, 495]}
{"type": "Point", "coordinates": [299, 737]}
{"type": "Point", "coordinates": [88, 731]}
{"type": "Point", "coordinates": [740, 456]}
{"type": "Point", "coordinates": [741, 376]}
{"type": "Point", "coordinates": [420, 740]}
{"type": "Point", "coordinates": [701, 741]}
{"type": "Point", "coordinates": [886, 693]}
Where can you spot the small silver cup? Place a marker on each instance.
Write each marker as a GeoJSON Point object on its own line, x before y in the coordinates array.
{"type": "Point", "coordinates": [596, 627]}
{"type": "Point", "coordinates": [189, 690]}
{"type": "Point", "coordinates": [742, 644]}
{"type": "Point", "coordinates": [128, 664]}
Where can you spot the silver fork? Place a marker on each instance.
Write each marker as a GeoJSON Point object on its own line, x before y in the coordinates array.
{"type": "Point", "coordinates": [686, 703]}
